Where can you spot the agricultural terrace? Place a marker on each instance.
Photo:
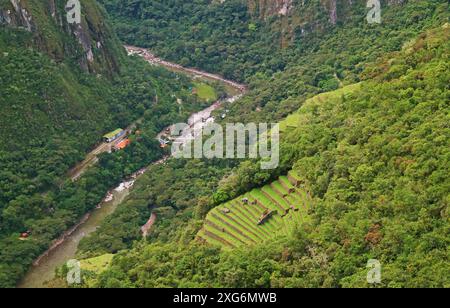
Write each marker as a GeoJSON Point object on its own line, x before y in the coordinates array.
{"type": "Point", "coordinates": [260, 215]}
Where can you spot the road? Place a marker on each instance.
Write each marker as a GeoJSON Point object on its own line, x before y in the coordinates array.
{"type": "Point", "coordinates": [152, 59]}
{"type": "Point", "coordinates": [65, 247]}
{"type": "Point", "coordinates": [92, 157]}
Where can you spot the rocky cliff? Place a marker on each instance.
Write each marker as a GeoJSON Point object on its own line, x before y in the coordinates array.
{"type": "Point", "coordinates": [304, 9]}
{"type": "Point", "coordinates": [91, 43]}
{"type": "Point", "coordinates": [295, 18]}
{"type": "Point", "coordinates": [268, 8]}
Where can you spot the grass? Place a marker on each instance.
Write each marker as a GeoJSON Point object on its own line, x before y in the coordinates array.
{"type": "Point", "coordinates": [211, 239]}
{"type": "Point", "coordinates": [231, 228]}
{"type": "Point", "coordinates": [296, 119]}
{"type": "Point", "coordinates": [254, 213]}
{"type": "Point", "coordinates": [97, 264]}
{"type": "Point", "coordinates": [284, 181]}
{"type": "Point", "coordinates": [205, 91]}
{"type": "Point", "coordinates": [241, 225]}
{"type": "Point", "coordinates": [290, 122]}
{"type": "Point", "coordinates": [222, 233]}
{"type": "Point", "coordinates": [250, 223]}
{"type": "Point", "coordinates": [240, 228]}
{"type": "Point", "coordinates": [277, 199]}
{"type": "Point", "coordinates": [279, 188]}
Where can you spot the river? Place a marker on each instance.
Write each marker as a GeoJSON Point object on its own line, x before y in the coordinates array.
{"type": "Point", "coordinates": [65, 248]}
{"type": "Point", "coordinates": [45, 269]}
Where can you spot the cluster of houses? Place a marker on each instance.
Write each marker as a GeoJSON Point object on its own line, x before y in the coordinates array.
{"type": "Point", "coordinates": [119, 136]}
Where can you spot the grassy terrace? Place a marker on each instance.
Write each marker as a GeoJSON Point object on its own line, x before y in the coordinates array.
{"type": "Point", "coordinates": [97, 264]}
{"type": "Point", "coordinates": [205, 91]}
{"type": "Point", "coordinates": [235, 223]}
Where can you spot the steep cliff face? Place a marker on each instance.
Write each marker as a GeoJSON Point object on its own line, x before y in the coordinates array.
{"type": "Point", "coordinates": [304, 9]}
{"type": "Point", "coordinates": [90, 43]}
{"type": "Point", "coordinates": [16, 15]}
{"type": "Point", "coordinates": [267, 8]}
{"type": "Point", "coordinates": [335, 9]}
{"type": "Point", "coordinates": [293, 19]}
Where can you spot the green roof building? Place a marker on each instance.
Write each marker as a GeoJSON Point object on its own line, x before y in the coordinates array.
{"type": "Point", "coordinates": [110, 137]}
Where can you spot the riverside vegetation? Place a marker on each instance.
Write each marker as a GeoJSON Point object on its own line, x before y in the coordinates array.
{"type": "Point", "coordinates": [364, 151]}
{"type": "Point", "coordinates": [371, 152]}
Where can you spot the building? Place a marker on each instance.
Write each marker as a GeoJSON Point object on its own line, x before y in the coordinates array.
{"type": "Point", "coordinates": [110, 137]}
{"type": "Point", "coordinates": [122, 144]}
{"type": "Point", "coordinates": [25, 235]}
{"type": "Point", "coordinates": [163, 143]}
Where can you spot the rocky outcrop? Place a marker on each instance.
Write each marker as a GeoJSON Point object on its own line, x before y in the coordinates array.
{"type": "Point", "coordinates": [267, 8]}
{"type": "Point", "coordinates": [333, 11]}
{"type": "Point", "coordinates": [16, 15]}
{"type": "Point", "coordinates": [294, 19]}
{"type": "Point", "coordinates": [50, 30]}
{"type": "Point", "coordinates": [5, 18]}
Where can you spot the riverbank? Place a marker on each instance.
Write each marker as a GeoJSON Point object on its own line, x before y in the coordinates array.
{"type": "Point", "coordinates": [66, 246]}
{"type": "Point", "coordinates": [154, 60]}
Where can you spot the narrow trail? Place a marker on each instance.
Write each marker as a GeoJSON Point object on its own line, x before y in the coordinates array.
{"type": "Point", "coordinates": [145, 229]}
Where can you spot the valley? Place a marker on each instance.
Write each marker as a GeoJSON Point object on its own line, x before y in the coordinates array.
{"type": "Point", "coordinates": [65, 248]}
{"type": "Point", "coordinates": [93, 196]}
{"type": "Point", "coordinates": [234, 91]}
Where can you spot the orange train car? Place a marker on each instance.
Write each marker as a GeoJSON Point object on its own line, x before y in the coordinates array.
{"type": "Point", "coordinates": [122, 145]}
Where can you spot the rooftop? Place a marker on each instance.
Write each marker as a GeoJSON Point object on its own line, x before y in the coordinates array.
{"type": "Point", "coordinates": [113, 134]}
{"type": "Point", "coordinates": [123, 144]}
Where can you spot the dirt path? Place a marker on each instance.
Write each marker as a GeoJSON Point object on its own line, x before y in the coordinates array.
{"type": "Point", "coordinates": [145, 229]}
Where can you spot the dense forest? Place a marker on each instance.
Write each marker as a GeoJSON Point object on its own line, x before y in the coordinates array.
{"type": "Point", "coordinates": [367, 112]}
{"type": "Point", "coordinates": [379, 181]}
{"type": "Point", "coordinates": [320, 56]}
{"type": "Point", "coordinates": [54, 110]}
{"type": "Point", "coordinates": [375, 158]}
{"type": "Point", "coordinates": [233, 39]}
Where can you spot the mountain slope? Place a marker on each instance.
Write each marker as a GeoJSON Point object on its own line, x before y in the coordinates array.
{"type": "Point", "coordinates": [62, 87]}
{"type": "Point", "coordinates": [48, 98]}
{"type": "Point", "coordinates": [324, 61]}
{"type": "Point", "coordinates": [91, 44]}
{"type": "Point", "coordinates": [376, 162]}
{"type": "Point", "coordinates": [374, 159]}
{"type": "Point", "coordinates": [238, 38]}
